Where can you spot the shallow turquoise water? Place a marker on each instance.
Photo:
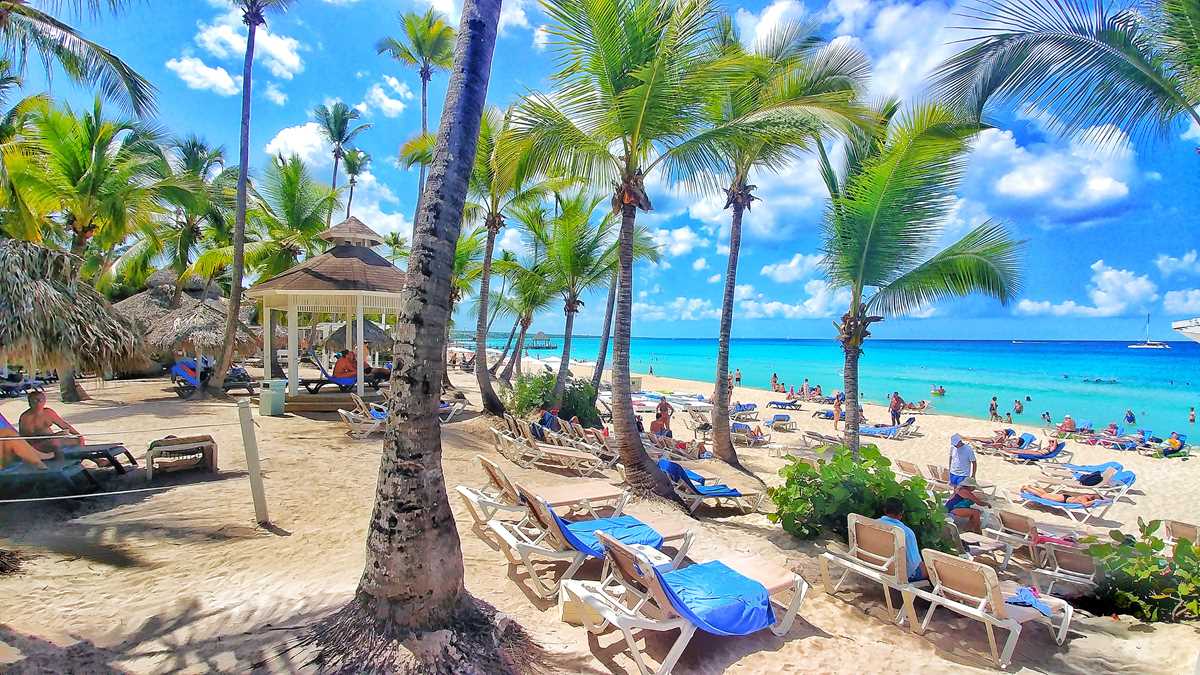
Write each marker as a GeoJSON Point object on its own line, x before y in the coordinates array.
{"type": "Point", "coordinates": [1159, 385]}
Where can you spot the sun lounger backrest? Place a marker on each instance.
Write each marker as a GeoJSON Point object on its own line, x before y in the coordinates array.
{"type": "Point", "coordinates": [635, 572]}
{"type": "Point", "coordinates": [545, 519]}
{"type": "Point", "coordinates": [1074, 560]}
{"type": "Point", "coordinates": [1017, 523]}
{"type": "Point", "coordinates": [908, 467]}
{"type": "Point", "coordinates": [363, 408]}
{"type": "Point", "coordinates": [498, 479]}
{"type": "Point", "coordinates": [878, 545]}
{"type": "Point", "coordinates": [168, 443]}
{"type": "Point", "coordinates": [966, 581]}
{"type": "Point", "coordinates": [1176, 530]}
{"type": "Point", "coordinates": [938, 473]}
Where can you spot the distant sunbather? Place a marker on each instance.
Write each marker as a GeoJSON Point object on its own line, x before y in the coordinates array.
{"type": "Point", "coordinates": [1085, 499]}
{"type": "Point", "coordinates": [346, 365]}
{"type": "Point", "coordinates": [41, 421]}
{"type": "Point", "coordinates": [1068, 425]}
{"type": "Point", "coordinates": [999, 438]}
{"type": "Point", "coordinates": [1046, 450]}
{"type": "Point", "coordinates": [13, 447]}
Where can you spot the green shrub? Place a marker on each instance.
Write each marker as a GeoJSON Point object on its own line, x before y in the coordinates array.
{"type": "Point", "coordinates": [814, 500]}
{"type": "Point", "coordinates": [531, 391]}
{"type": "Point", "coordinates": [1143, 578]}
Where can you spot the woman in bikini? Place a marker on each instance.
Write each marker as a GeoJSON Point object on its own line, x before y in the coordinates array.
{"type": "Point", "coordinates": [1085, 499]}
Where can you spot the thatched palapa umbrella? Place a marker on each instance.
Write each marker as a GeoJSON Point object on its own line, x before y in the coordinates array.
{"type": "Point", "coordinates": [373, 335]}
{"type": "Point", "coordinates": [50, 318]}
{"type": "Point", "coordinates": [197, 327]}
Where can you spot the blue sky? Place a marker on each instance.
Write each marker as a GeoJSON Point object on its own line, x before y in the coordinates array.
{"type": "Point", "coordinates": [1110, 230]}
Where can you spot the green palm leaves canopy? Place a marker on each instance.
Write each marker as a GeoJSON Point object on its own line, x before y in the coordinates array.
{"type": "Point", "coordinates": [1114, 66]}
{"type": "Point", "coordinates": [51, 318]}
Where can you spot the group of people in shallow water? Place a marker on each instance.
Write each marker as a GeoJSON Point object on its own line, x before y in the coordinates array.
{"type": "Point", "coordinates": [40, 435]}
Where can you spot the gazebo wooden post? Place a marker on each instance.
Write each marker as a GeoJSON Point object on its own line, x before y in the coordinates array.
{"type": "Point", "coordinates": [268, 340]}
{"type": "Point", "coordinates": [358, 315]}
{"type": "Point", "coordinates": [293, 347]}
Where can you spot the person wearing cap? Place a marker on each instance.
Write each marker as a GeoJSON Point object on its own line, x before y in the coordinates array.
{"type": "Point", "coordinates": [962, 460]}
{"type": "Point", "coordinates": [961, 505]}
{"type": "Point", "coordinates": [1067, 426]}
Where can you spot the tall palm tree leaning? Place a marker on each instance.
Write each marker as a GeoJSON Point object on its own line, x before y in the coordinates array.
{"type": "Point", "coordinates": [644, 250]}
{"type": "Point", "coordinates": [253, 15]}
{"type": "Point", "coordinates": [1131, 67]}
{"type": "Point", "coordinates": [795, 87]}
{"type": "Point", "coordinates": [336, 126]}
{"type": "Point", "coordinates": [633, 80]}
{"type": "Point", "coordinates": [412, 528]}
{"type": "Point", "coordinates": [888, 206]}
{"type": "Point", "coordinates": [26, 28]}
{"type": "Point", "coordinates": [356, 164]}
{"type": "Point", "coordinates": [530, 295]}
{"type": "Point", "coordinates": [427, 44]}
{"type": "Point", "coordinates": [498, 183]}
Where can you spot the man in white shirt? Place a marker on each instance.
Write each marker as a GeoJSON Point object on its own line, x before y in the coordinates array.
{"type": "Point", "coordinates": [962, 460]}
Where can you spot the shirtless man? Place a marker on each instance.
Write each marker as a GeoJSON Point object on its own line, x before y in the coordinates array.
{"type": "Point", "coordinates": [11, 446]}
{"type": "Point", "coordinates": [41, 421]}
{"type": "Point", "coordinates": [346, 365]}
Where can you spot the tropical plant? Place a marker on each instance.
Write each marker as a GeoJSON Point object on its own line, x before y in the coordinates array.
{"type": "Point", "coordinates": [16, 139]}
{"type": "Point", "coordinates": [888, 206]}
{"type": "Point", "coordinates": [356, 164]}
{"type": "Point", "coordinates": [644, 250]}
{"type": "Point", "coordinates": [427, 44]}
{"type": "Point", "coordinates": [530, 392]}
{"type": "Point", "coordinates": [253, 15]}
{"type": "Point", "coordinates": [1143, 577]}
{"type": "Point", "coordinates": [633, 80]}
{"type": "Point", "coordinates": [1122, 66]}
{"type": "Point", "coordinates": [814, 500]}
{"type": "Point", "coordinates": [397, 246]}
{"type": "Point", "coordinates": [26, 28]}
{"type": "Point", "coordinates": [412, 526]}
{"type": "Point", "coordinates": [579, 256]}
{"type": "Point", "coordinates": [794, 87]}
{"type": "Point", "coordinates": [530, 295]}
{"type": "Point", "coordinates": [336, 124]}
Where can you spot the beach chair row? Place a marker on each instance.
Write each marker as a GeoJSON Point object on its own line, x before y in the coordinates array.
{"type": "Point", "coordinates": [369, 418]}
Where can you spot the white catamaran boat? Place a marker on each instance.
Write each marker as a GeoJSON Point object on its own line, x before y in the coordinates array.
{"type": "Point", "coordinates": [1148, 343]}
{"type": "Point", "coordinates": [1189, 329]}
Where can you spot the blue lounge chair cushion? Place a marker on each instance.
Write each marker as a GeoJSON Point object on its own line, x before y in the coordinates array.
{"type": "Point", "coordinates": [1081, 469]}
{"type": "Point", "coordinates": [696, 478]}
{"type": "Point", "coordinates": [179, 371]}
{"type": "Point", "coordinates": [717, 599]}
{"type": "Point", "coordinates": [1025, 440]}
{"type": "Point", "coordinates": [740, 428]}
{"type": "Point", "coordinates": [626, 529]}
{"type": "Point", "coordinates": [1050, 455]}
{"type": "Point", "coordinates": [377, 414]}
{"type": "Point", "coordinates": [1029, 496]}
{"type": "Point", "coordinates": [678, 474]}
{"type": "Point", "coordinates": [1124, 477]}
{"type": "Point", "coordinates": [339, 381]}
{"type": "Point", "coordinates": [781, 418]}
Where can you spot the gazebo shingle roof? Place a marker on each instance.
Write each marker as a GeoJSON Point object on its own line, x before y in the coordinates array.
{"type": "Point", "coordinates": [341, 268]}
{"type": "Point", "coordinates": [352, 229]}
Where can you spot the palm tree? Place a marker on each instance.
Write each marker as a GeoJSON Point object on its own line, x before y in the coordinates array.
{"type": "Point", "coordinates": [412, 527]}
{"type": "Point", "coordinates": [644, 249]}
{"type": "Point", "coordinates": [531, 294]}
{"type": "Point", "coordinates": [427, 44]}
{"type": "Point", "coordinates": [500, 181]}
{"type": "Point", "coordinates": [17, 139]}
{"type": "Point", "coordinates": [356, 164]}
{"type": "Point", "coordinates": [795, 87]}
{"type": "Point", "coordinates": [253, 15]}
{"type": "Point", "coordinates": [579, 256]}
{"type": "Point", "coordinates": [335, 123]}
{"type": "Point", "coordinates": [25, 28]}
{"type": "Point", "coordinates": [888, 206]}
{"type": "Point", "coordinates": [397, 246]}
{"type": "Point", "coordinates": [1130, 67]}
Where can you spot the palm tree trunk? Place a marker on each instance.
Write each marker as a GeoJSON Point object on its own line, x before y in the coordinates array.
{"type": "Point", "coordinates": [413, 577]}
{"type": "Point", "coordinates": [491, 402]}
{"type": "Point", "coordinates": [722, 441]}
{"type": "Point", "coordinates": [598, 372]}
{"type": "Point", "coordinates": [67, 391]}
{"type": "Point", "coordinates": [641, 472]}
{"type": "Point", "coordinates": [350, 199]}
{"type": "Point", "coordinates": [217, 382]}
{"type": "Point", "coordinates": [852, 348]}
{"type": "Point", "coordinates": [515, 361]}
{"type": "Point", "coordinates": [333, 186]}
{"type": "Point", "coordinates": [424, 130]}
{"type": "Point", "coordinates": [507, 346]}
{"type": "Point", "coordinates": [560, 382]}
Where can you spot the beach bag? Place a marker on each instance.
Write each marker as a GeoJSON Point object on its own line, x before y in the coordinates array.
{"type": "Point", "coordinates": [1093, 478]}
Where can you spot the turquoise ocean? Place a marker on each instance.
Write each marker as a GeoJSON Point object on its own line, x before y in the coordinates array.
{"type": "Point", "coordinates": [1158, 385]}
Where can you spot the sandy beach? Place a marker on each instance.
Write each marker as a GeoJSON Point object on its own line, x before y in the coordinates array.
{"type": "Point", "coordinates": [182, 580]}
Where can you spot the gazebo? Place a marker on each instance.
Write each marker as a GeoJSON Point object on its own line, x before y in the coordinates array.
{"type": "Point", "coordinates": [349, 279]}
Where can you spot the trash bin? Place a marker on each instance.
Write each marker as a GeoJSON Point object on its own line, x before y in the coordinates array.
{"type": "Point", "coordinates": [271, 397]}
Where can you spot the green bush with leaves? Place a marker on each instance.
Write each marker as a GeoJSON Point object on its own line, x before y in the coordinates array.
{"type": "Point", "coordinates": [1144, 578]}
{"type": "Point", "coordinates": [813, 500]}
{"type": "Point", "coordinates": [531, 391]}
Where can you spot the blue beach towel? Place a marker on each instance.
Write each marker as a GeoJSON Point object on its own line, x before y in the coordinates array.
{"type": "Point", "coordinates": [1027, 597]}
{"type": "Point", "coordinates": [1025, 440]}
{"type": "Point", "coordinates": [717, 599]}
{"type": "Point", "coordinates": [665, 466]}
{"type": "Point", "coordinates": [625, 529]}
{"type": "Point", "coordinates": [179, 371]}
{"type": "Point", "coordinates": [1050, 455]}
{"type": "Point", "coordinates": [1081, 469]}
{"type": "Point", "coordinates": [678, 474]}
{"type": "Point", "coordinates": [1029, 496]}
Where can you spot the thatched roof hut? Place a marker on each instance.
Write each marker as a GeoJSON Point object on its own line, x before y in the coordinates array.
{"type": "Point", "coordinates": [194, 325]}
{"type": "Point", "coordinates": [53, 319]}
{"type": "Point", "coordinates": [373, 335]}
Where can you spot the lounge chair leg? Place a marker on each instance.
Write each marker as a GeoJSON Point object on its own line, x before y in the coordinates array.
{"type": "Point", "coordinates": [635, 652]}
{"type": "Point", "coordinates": [798, 592]}
{"type": "Point", "coordinates": [1061, 635]}
{"type": "Point", "coordinates": [825, 577]}
{"type": "Point", "coordinates": [685, 636]}
{"type": "Point", "coordinates": [1009, 646]}
{"type": "Point", "coordinates": [910, 610]}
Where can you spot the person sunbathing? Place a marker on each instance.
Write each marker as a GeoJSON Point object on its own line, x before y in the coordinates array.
{"type": "Point", "coordinates": [1172, 445]}
{"type": "Point", "coordinates": [1067, 426]}
{"type": "Point", "coordinates": [13, 447]}
{"type": "Point", "coordinates": [1047, 449]}
{"type": "Point", "coordinates": [346, 365]}
{"type": "Point", "coordinates": [41, 421]}
{"type": "Point", "coordinates": [1110, 430]}
{"type": "Point", "coordinates": [916, 406]}
{"type": "Point", "coordinates": [1000, 438]}
{"type": "Point", "coordinates": [1084, 499]}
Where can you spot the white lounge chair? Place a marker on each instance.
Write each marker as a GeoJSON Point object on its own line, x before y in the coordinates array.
{"type": "Point", "coordinates": [694, 495]}
{"type": "Point", "coordinates": [877, 552]}
{"type": "Point", "coordinates": [595, 498]}
{"type": "Point", "coordinates": [1174, 530]}
{"type": "Point", "coordinates": [1066, 564]}
{"type": "Point", "coordinates": [972, 590]}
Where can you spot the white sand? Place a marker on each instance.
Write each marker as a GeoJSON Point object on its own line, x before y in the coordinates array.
{"type": "Point", "coordinates": [183, 580]}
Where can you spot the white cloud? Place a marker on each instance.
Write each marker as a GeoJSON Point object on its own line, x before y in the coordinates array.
{"type": "Point", "coordinates": [512, 13]}
{"type": "Point", "coordinates": [274, 94]}
{"type": "Point", "coordinates": [744, 292]}
{"type": "Point", "coordinates": [225, 38]}
{"type": "Point", "coordinates": [823, 301]}
{"type": "Point", "coordinates": [1182, 302]}
{"type": "Point", "coordinates": [450, 8]}
{"type": "Point", "coordinates": [679, 241]}
{"type": "Point", "coordinates": [541, 38]}
{"type": "Point", "coordinates": [1192, 133]}
{"type": "Point", "coordinates": [306, 141]}
{"type": "Point", "coordinates": [1112, 292]}
{"type": "Point", "coordinates": [679, 309]}
{"type": "Point", "coordinates": [197, 75]}
{"type": "Point", "coordinates": [795, 269]}
{"type": "Point", "coordinates": [700, 264]}
{"type": "Point", "coordinates": [376, 205]}
{"type": "Point", "coordinates": [1188, 263]}
{"type": "Point", "coordinates": [401, 89]}
{"type": "Point", "coordinates": [714, 278]}
{"type": "Point", "coordinates": [378, 99]}
{"type": "Point", "coordinates": [756, 27]}
{"type": "Point", "coordinates": [511, 240]}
